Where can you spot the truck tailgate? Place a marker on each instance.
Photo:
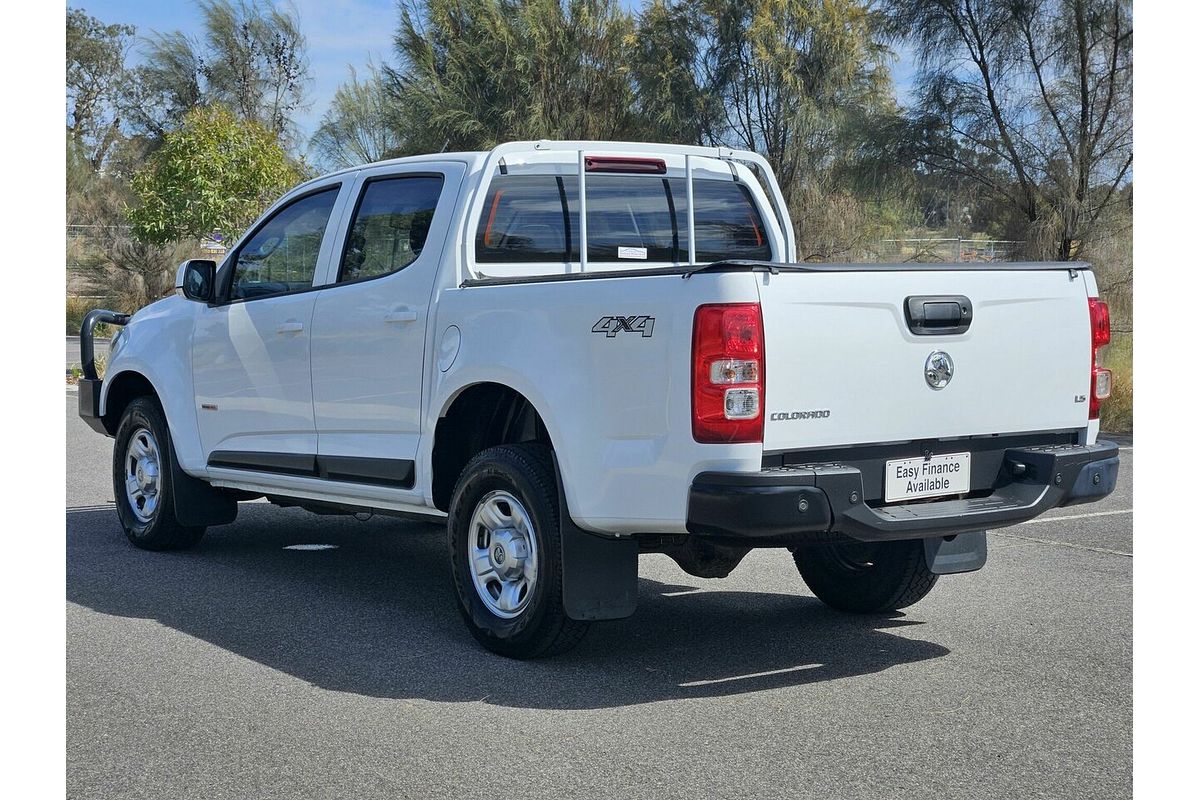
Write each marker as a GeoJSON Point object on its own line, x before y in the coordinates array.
{"type": "Point", "coordinates": [844, 366]}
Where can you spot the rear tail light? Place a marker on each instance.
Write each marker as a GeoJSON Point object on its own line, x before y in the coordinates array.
{"type": "Point", "coordinates": [1101, 335]}
{"type": "Point", "coordinates": [728, 373]}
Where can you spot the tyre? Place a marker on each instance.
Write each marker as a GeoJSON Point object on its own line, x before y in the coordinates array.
{"type": "Point", "coordinates": [866, 577]}
{"type": "Point", "coordinates": [506, 556]}
{"type": "Point", "coordinates": [142, 460]}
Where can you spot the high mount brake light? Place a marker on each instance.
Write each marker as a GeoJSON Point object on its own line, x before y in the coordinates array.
{"type": "Point", "coordinates": [645, 166]}
{"type": "Point", "coordinates": [1101, 335]}
{"type": "Point", "coordinates": [728, 373]}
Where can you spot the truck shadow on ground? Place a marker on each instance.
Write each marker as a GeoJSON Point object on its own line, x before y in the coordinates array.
{"type": "Point", "coordinates": [377, 617]}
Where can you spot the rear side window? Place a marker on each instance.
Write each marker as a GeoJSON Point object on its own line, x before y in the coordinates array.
{"type": "Point", "coordinates": [281, 256]}
{"type": "Point", "coordinates": [524, 220]}
{"type": "Point", "coordinates": [535, 218]}
{"type": "Point", "coordinates": [390, 227]}
{"type": "Point", "coordinates": [728, 224]}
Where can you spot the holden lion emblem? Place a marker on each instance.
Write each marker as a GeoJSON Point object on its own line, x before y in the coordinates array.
{"type": "Point", "coordinates": [939, 369]}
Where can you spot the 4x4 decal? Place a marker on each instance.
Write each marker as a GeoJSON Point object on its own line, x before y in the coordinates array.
{"type": "Point", "coordinates": [611, 326]}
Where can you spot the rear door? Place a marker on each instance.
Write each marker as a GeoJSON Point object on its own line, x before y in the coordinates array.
{"type": "Point", "coordinates": [369, 325]}
{"type": "Point", "coordinates": [846, 366]}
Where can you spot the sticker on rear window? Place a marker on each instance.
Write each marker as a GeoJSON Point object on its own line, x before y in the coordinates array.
{"type": "Point", "coordinates": [631, 252]}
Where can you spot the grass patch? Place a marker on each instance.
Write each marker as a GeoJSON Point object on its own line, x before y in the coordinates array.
{"type": "Point", "coordinates": [77, 309]}
{"type": "Point", "coordinates": [1116, 415]}
{"type": "Point", "coordinates": [74, 373]}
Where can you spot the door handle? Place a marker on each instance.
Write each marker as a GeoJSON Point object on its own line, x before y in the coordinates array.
{"type": "Point", "coordinates": [290, 327]}
{"type": "Point", "coordinates": [401, 314]}
{"type": "Point", "coordinates": [938, 315]}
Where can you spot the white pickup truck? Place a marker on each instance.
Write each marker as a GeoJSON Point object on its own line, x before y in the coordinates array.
{"type": "Point", "coordinates": [575, 352]}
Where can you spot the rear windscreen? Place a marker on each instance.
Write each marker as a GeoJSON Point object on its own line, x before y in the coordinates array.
{"type": "Point", "coordinates": [630, 218]}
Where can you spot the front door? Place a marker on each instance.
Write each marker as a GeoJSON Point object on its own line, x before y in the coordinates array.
{"type": "Point", "coordinates": [369, 326]}
{"type": "Point", "coordinates": [250, 350]}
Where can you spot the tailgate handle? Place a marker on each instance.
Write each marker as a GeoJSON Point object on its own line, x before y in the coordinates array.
{"type": "Point", "coordinates": [937, 315]}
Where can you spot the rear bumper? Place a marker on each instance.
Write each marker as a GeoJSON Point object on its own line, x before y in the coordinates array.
{"type": "Point", "coordinates": [798, 503]}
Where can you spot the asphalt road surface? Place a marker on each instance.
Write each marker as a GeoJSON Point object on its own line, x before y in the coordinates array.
{"type": "Point", "coordinates": [246, 670]}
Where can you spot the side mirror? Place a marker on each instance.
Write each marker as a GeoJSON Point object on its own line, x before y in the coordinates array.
{"type": "Point", "coordinates": [196, 279]}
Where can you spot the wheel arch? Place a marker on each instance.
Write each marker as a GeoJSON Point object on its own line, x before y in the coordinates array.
{"type": "Point", "coordinates": [122, 389]}
{"type": "Point", "coordinates": [473, 418]}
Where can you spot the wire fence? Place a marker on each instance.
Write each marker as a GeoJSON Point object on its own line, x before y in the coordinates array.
{"type": "Point", "coordinates": [949, 250]}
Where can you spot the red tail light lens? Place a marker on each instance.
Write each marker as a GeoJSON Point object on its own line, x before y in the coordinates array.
{"type": "Point", "coordinates": [728, 373]}
{"type": "Point", "coordinates": [1101, 335]}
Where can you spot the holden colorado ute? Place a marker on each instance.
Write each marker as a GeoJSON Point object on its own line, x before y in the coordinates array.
{"type": "Point", "coordinates": [571, 353]}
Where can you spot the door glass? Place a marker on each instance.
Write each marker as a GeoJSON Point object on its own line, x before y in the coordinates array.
{"type": "Point", "coordinates": [390, 226]}
{"type": "Point", "coordinates": [282, 255]}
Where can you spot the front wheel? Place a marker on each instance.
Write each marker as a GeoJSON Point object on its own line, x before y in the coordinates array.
{"type": "Point", "coordinates": [506, 556]}
{"type": "Point", "coordinates": [142, 480]}
{"type": "Point", "coordinates": [866, 577]}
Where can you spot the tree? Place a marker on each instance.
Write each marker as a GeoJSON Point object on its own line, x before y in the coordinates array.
{"type": "Point", "coordinates": [95, 73]}
{"type": "Point", "coordinates": [214, 174]}
{"type": "Point", "coordinates": [356, 129]}
{"type": "Point", "coordinates": [806, 84]}
{"type": "Point", "coordinates": [473, 73]}
{"type": "Point", "coordinates": [672, 100]}
{"type": "Point", "coordinates": [132, 273]}
{"type": "Point", "coordinates": [1030, 99]}
{"type": "Point", "coordinates": [252, 58]}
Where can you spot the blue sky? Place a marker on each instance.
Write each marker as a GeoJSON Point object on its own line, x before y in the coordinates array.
{"type": "Point", "coordinates": [341, 33]}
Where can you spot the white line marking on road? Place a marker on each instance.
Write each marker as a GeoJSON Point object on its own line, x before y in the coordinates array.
{"type": "Point", "coordinates": [690, 684]}
{"type": "Point", "coordinates": [1078, 516]}
{"type": "Point", "coordinates": [693, 590]}
{"type": "Point", "coordinates": [1072, 545]}
{"type": "Point", "coordinates": [85, 509]}
{"type": "Point", "coordinates": [311, 547]}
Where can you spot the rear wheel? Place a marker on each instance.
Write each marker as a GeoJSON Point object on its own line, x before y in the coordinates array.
{"type": "Point", "coordinates": [505, 553]}
{"type": "Point", "coordinates": [142, 487]}
{"type": "Point", "coordinates": [866, 577]}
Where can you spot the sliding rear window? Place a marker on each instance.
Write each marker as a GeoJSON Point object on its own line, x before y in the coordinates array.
{"type": "Point", "coordinates": [630, 218]}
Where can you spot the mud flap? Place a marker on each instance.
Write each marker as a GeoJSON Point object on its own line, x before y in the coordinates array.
{"type": "Point", "coordinates": [599, 574]}
{"type": "Point", "coordinates": [965, 552]}
{"type": "Point", "coordinates": [197, 503]}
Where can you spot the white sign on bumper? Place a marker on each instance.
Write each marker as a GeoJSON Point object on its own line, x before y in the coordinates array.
{"type": "Point", "coordinates": [914, 478]}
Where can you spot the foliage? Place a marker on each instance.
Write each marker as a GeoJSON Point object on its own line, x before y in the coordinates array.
{"type": "Point", "coordinates": [251, 58]}
{"type": "Point", "coordinates": [1031, 100]}
{"type": "Point", "coordinates": [806, 83]}
{"type": "Point", "coordinates": [215, 174]}
{"type": "Point", "coordinates": [77, 309]}
{"type": "Point", "coordinates": [791, 75]}
{"type": "Point", "coordinates": [672, 99]}
{"type": "Point", "coordinates": [356, 130]}
{"type": "Point", "coordinates": [474, 73]}
{"type": "Point", "coordinates": [93, 198]}
{"type": "Point", "coordinates": [1116, 415]}
{"type": "Point", "coordinates": [95, 73]}
{"type": "Point", "coordinates": [75, 372]}
{"type": "Point", "coordinates": [132, 272]}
